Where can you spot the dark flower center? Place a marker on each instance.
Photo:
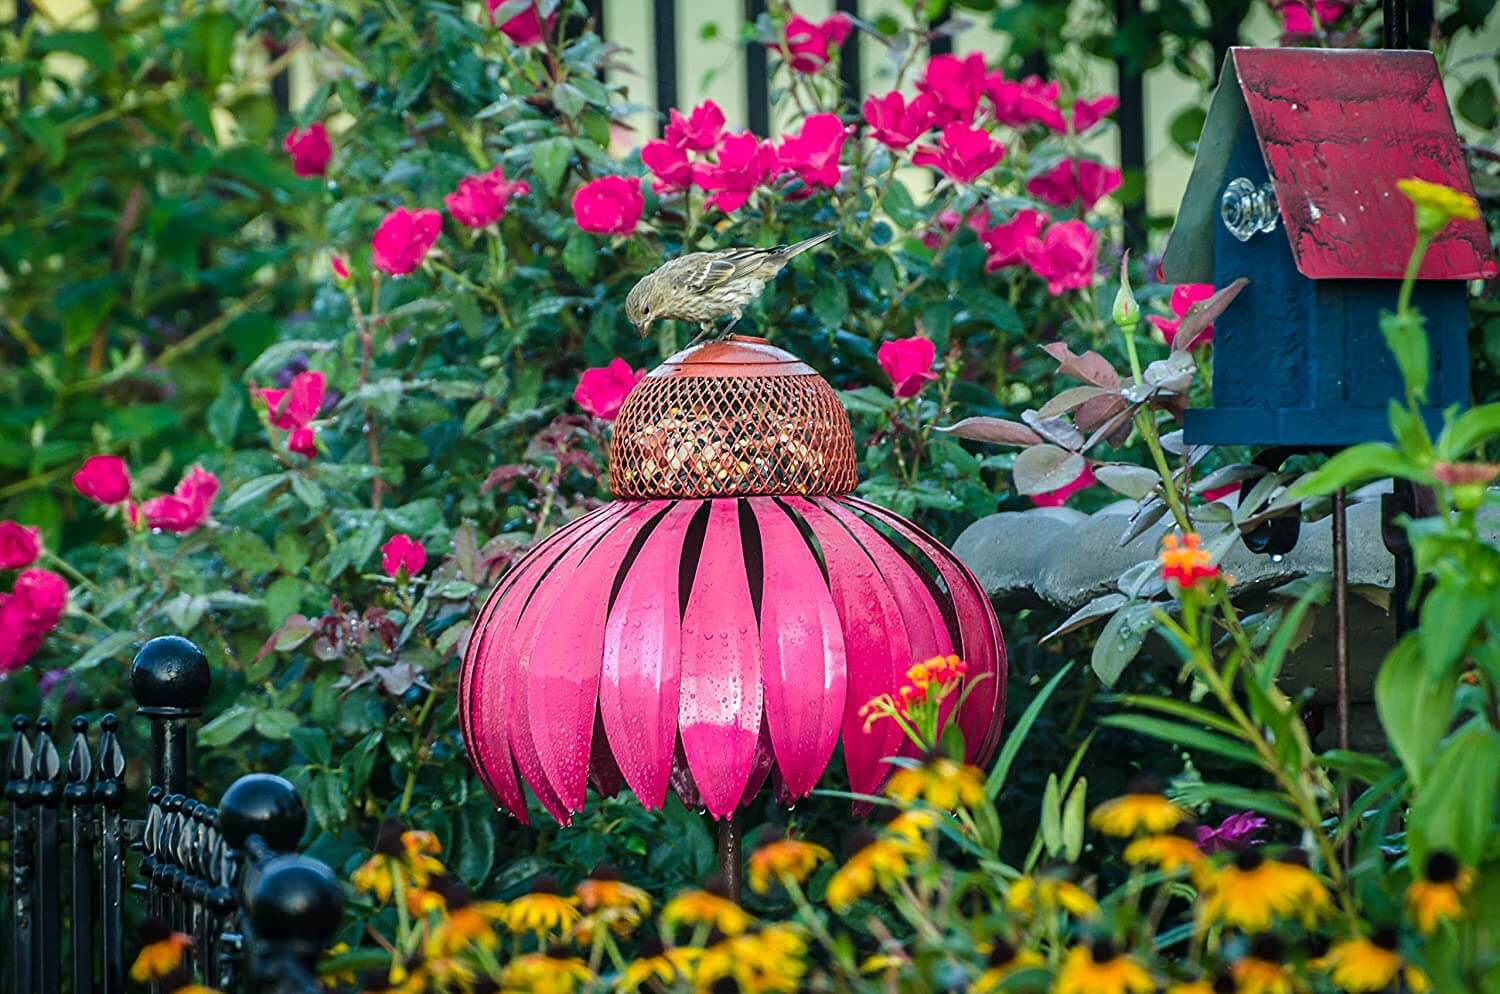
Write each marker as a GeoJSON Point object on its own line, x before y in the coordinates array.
{"type": "Point", "coordinates": [1224, 984]}
{"type": "Point", "coordinates": [545, 884]}
{"type": "Point", "coordinates": [154, 930]}
{"type": "Point", "coordinates": [1442, 867]}
{"type": "Point", "coordinates": [1002, 953]}
{"type": "Point", "coordinates": [605, 871]}
{"type": "Point", "coordinates": [1104, 951]}
{"type": "Point", "coordinates": [1268, 948]}
{"type": "Point", "coordinates": [388, 838]}
{"type": "Point", "coordinates": [1247, 860]}
{"type": "Point", "coordinates": [1386, 938]}
{"type": "Point", "coordinates": [1144, 784]}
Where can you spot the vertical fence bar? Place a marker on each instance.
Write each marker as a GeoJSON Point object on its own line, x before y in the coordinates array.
{"type": "Point", "coordinates": [109, 791]}
{"type": "Point", "coordinates": [1131, 118]}
{"type": "Point", "coordinates": [22, 850]}
{"type": "Point", "coordinates": [79, 794]}
{"type": "Point", "coordinates": [757, 77]}
{"type": "Point", "coordinates": [1394, 23]}
{"type": "Point", "coordinates": [1419, 21]}
{"type": "Point", "coordinates": [664, 45]}
{"type": "Point", "coordinates": [46, 795]}
{"type": "Point", "coordinates": [851, 65]}
{"type": "Point", "coordinates": [941, 43]}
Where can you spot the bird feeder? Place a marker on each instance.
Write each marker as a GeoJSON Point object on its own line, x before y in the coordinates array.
{"type": "Point", "coordinates": [1294, 187]}
{"type": "Point", "coordinates": [723, 621]}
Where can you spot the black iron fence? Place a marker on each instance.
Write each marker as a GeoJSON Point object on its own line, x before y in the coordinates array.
{"type": "Point", "coordinates": [259, 915]}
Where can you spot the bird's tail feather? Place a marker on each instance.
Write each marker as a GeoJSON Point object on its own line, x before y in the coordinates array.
{"type": "Point", "coordinates": [797, 248]}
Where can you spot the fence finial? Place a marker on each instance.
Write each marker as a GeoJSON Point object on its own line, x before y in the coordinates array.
{"type": "Point", "coordinates": [170, 677]}
{"type": "Point", "coordinates": [266, 805]}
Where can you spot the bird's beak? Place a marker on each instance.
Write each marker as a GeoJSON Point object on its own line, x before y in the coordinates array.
{"type": "Point", "coordinates": [643, 328]}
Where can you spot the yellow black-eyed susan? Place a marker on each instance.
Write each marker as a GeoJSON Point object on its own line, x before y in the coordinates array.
{"type": "Point", "coordinates": [660, 964]}
{"type": "Point", "coordinates": [783, 858]}
{"type": "Point", "coordinates": [465, 922]}
{"type": "Point", "coordinates": [399, 852]}
{"type": "Point", "coordinates": [941, 782]}
{"type": "Point", "coordinates": [881, 862]}
{"type": "Point", "coordinates": [1439, 895]}
{"type": "Point", "coordinates": [1171, 852]}
{"type": "Point", "coordinates": [161, 951]}
{"type": "Point", "coordinates": [605, 890]}
{"type": "Point", "coordinates": [1362, 965]}
{"type": "Point", "coordinates": [1004, 961]}
{"type": "Point", "coordinates": [914, 825]}
{"type": "Point", "coordinates": [1047, 893]}
{"type": "Point", "coordinates": [770, 961]}
{"type": "Point", "coordinates": [552, 972]}
{"type": "Point", "coordinates": [1252, 891]}
{"type": "Point", "coordinates": [1222, 983]}
{"type": "Point", "coordinates": [710, 906]}
{"type": "Point", "coordinates": [542, 912]}
{"type": "Point", "coordinates": [179, 981]}
{"type": "Point", "coordinates": [1102, 969]}
{"type": "Point", "coordinates": [1263, 970]}
{"type": "Point", "coordinates": [1142, 809]}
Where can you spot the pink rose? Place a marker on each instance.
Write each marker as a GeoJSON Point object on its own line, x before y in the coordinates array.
{"type": "Point", "coordinates": [19, 545]}
{"type": "Point", "coordinates": [304, 442]}
{"type": "Point", "coordinates": [298, 404]}
{"type": "Point", "coordinates": [908, 362]}
{"type": "Point", "coordinates": [810, 44]}
{"type": "Point", "coordinates": [103, 480]}
{"type": "Point", "coordinates": [948, 219]}
{"type": "Point", "coordinates": [1065, 256]}
{"type": "Point", "coordinates": [1072, 180]}
{"type": "Point", "coordinates": [1297, 15]}
{"type": "Point", "coordinates": [894, 122]}
{"type": "Point", "coordinates": [813, 151]}
{"type": "Point", "coordinates": [1087, 113]}
{"type": "Point", "coordinates": [671, 170]}
{"type": "Point", "coordinates": [963, 154]}
{"type": "Point", "coordinates": [340, 267]}
{"type": "Point", "coordinates": [37, 600]}
{"type": "Point", "coordinates": [187, 508]}
{"type": "Point", "coordinates": [610, 205]}
{"type": "Point", "coordinates": [404, 238]}
{"type": "Point", "coordinates": [524, 28]}
{"type": "Point", "coordinates": [1058, 497]}
{"type": "Point", "coordinates": [1030, 101]}
{"type": "Point", "coordinates": [480, 201]}
{"type": "Point", "coordinates": [1182, 301]}
{"type": "Point", "coordinates": [309, 149]}
{"type": "Point", "coordinates": [1006, 242]}
{"type": "Point", "coordinates": [743, 163]}
{"type": "Point", "coordinates": [956, 86]}
{"type": "Point", "coordinates": [402, 552]}
{"type": "Point", "coordinates": [700, 131]}
{"type": "Point", "coordinates": [602, 390]}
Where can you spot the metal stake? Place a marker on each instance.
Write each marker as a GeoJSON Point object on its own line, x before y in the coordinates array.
{"type": "Point", "coordinates": [729, 852]}
{"type": "Point", "coordinates": [1341, 633]}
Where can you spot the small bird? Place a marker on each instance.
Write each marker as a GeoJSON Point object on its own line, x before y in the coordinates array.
{"type": "Point", "coordinates": [706, 286]}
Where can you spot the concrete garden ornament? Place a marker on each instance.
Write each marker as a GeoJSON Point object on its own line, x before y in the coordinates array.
{"type": "Point", "coordinates": [725, 619]}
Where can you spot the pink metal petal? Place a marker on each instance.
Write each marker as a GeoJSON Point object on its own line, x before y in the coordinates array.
{"type": "Point", "coordinates": [604, 773]}
{"type": "Point", "coordinates": [639, 679]}
{"type": "Point", "coordinates": [719, 709]}
{"type": "Point", "coordinates": [982, 643]}
{"type": "Point", "coordinates": [876, 645]}
{"type": "Point", "coordinates": [803, 668]}
{"type": "Point", "coordinates": [563, 663]}
{"type": "Point", "coordinates": [765, 762]}
{"type": "Point", "coordinates": [518, 650]}
{"type": "Point", "coordinates": [483, 699]}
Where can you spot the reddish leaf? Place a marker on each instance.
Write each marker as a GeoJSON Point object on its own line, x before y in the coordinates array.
{"type": "Point", "coordinates": [1071, 399]}
{"type": "Point", "coordinates": [1204, 312]}
{"type": "Point", "coordinates": [995, 430]}
{"type": "Point", "coordinates": [1091, 367]}
{"type": "Point", "coordinates": [1044, 468]}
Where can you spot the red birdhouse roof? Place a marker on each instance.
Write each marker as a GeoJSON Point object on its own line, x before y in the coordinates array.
{"type": "Point", "coordinates": [1337, 128]}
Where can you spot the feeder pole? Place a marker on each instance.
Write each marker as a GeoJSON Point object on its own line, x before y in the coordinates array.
{"type": "Point", "coordinates": [1394, 23]}
{"type": "Point", "coordinates": [1341, 632]}
{"type": "Point", "coordinates": [729, 852]}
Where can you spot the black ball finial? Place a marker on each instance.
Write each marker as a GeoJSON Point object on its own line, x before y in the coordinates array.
{"type": "Point", "coordinates": [296, 899]}
{"type": "Point", "coordinates": [170, 677]}
{"type": "Point", "coordinates": [266, 805]}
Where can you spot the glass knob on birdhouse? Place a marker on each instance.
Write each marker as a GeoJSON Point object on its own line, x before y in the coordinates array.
{"type": "Point", "coordinates": [1247, 208]}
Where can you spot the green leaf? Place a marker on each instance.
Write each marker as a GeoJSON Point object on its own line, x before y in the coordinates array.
{"type": "Point", "coordinates": [253, 490]}
{"type": "Point", "coordinates": [1017, 735]}
{"type": "Point", "coordinates": [549, 160]}
{"type": "Point", "coordinates": [1186, 736]}
{"type": "Point", "coordinates": [1357, 464]}
{"type": "Point", "coordinates": [283, 597]}
{"type": "Point", "coordinates": [1406, 335]}
{"type": "Point", "coordinates": [47, 133]}
{"type": "Point", "coordinates": [275, 723]}
{"type": "Point", "coordinates": [830, 301]}
{"type": "Point", "coordinates": [1450, 613]}
{"type": "Point", "coordinates": [223, 415]}
{"type": "Point", "coordinates": [245, 551]}
{"type": "Point", "coordinates": [1415, 705]}
{"type": "Point", "coordinates": [227, 727]}
{"type": "Point", "coordinates": [476, 845]}
{"type": "Point", "coordinates": [1072, 821]}
{"type": "Point", "coordinates": [1186, 127]}
{"type": "Point", "coordinates": [211, 45]}
{"type": "Point", "coordinates": [1477, 104]}
{"type": "Point", "coordinates": [898, 204]}
{"type": "Point", "coordinates": [90, 46]}
{"type": "Point", "coordinates": [1051, 827]}
{"type": "Point", "coordinates": [569, 99]}
{"type": "Point", "coordinates": [107, 648]}
{"type": "Point", "coordinates": [291, 552]}
{"type": "Point", "coordinates": [1469, 431]}
{"type": "Point", "coordinates": [990, 308]}
{"type": "Point", "coordinates": [1454, 808]}
{"type": "Point", "coordinates": [308, 492]}
{"type": "Point", "coordinates": [1121, 640]}
{"type": "Point", "coordinates": [580, 255]}
{"type": "Point", "coordinates": [313, 743]}
{"type": "Point", "coordinates": [1271, 805]}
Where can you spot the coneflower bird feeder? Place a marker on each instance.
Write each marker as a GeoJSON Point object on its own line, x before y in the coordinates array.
{"type": "Point", "coordinates": [724, 620]}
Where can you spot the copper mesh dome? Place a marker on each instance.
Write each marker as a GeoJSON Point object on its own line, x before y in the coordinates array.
{"type": "Point", "coordinates": [732, 418]}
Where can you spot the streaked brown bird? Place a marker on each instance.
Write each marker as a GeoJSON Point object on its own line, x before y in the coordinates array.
{"type": "Point", "coordinates": [706, 286]}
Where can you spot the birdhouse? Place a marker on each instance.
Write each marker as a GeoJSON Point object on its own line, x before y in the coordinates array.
{"type": "Point", "coordinates": [1294, 187]}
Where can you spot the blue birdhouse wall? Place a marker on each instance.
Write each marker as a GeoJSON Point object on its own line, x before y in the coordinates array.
{"type": "Point", "coordinates": [1299, 358]}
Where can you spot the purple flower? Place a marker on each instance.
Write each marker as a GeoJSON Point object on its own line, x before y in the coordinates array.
{"type": "Point", "coordinates": [1234, 833]}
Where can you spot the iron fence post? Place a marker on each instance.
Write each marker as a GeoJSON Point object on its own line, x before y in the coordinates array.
{"type": "Point", "coordinates": [109, 792]}
{"type": "Point", "coordinates": [18, 793]}
{"type": "Point", "coordinates": [79, 794]}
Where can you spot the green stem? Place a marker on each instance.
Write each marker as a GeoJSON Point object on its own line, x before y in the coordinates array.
{"type": "Point", "coordinates": [1147, 427]}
